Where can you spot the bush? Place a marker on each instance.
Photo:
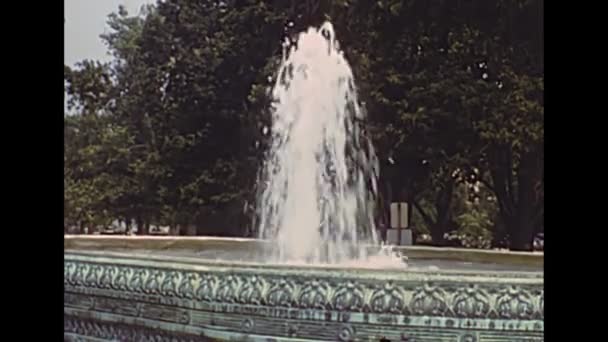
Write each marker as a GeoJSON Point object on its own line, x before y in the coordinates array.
{"type": "Point", "coordinates": [475, 229]}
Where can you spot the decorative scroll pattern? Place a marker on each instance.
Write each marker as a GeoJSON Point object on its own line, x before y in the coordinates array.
{"type": "Point", "coordinates": [120, 332]}
{"type": "Point", "coordinates": [459, 300]}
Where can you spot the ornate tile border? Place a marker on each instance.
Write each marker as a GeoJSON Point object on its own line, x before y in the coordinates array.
{"type": "Point", "coordinates": [168, 298]}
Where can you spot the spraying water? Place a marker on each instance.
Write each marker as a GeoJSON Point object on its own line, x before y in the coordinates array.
{"type": "Point", "coordinates": [318, 196]}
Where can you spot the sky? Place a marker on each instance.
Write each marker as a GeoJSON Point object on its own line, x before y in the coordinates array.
{"type": "Point", "coordinates": [85, 20]}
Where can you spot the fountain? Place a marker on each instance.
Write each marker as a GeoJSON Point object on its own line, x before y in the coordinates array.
{"type": "Point", "coordinates": [320, 176]}
{"type": "Point", "coordinates": [318, 271]}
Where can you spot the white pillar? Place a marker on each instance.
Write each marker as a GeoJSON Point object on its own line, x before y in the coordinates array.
{"type": "Point", "coordinates": [399, 234]}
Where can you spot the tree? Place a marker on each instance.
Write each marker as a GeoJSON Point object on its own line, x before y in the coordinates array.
{"type": "Point", "coordinates": [138, 107]}
{"type": "Point", "coordinates": [514, 157]}
{"type": "Point", "coordinates": [176, 69]}
{"type": "Point", "coordinates": [453, 92]}
{"type": "Point", "coordinates": [508, 117]}
{"type": "Point", "coordinates": [442, 88]}
{"type": "Point", "coordinates": [87, 191]}
{"type": "Point", "coordinates": [94, 164]}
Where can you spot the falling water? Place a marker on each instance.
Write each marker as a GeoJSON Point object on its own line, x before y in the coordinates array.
{"type": "Point", "coordinates": [319, 182]}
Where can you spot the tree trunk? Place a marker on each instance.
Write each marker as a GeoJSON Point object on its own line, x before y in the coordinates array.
{"type": "Point", "coordinates": [83, 225]}
{"type": "Point", "coordinates": [522, 229]}
{"type": "Point", "coordinates": [519, 203]}
{"type": "Point", "coordinates": [387, 210]}
{"type": "Point", "coordinates": [499, 235]}
{"type": "Point", "coordinates": [188, 229]}
{"type": "Point", "coordinates": [141, 226]}
{"type": "Point", "coordinates": [522, 239]}
{"type": "Point", "coordinates": [437, 235]}
{"type": "Point", "coordinates": [382, 220]}
{"type": "Point", "coordinates": [443, 205]}
{"type": "Point", "coordinates": [521, 232]}
{"type": "Point", "coordinates": [191, 230]}
{"type": "Point", "coordinates": [441, 227]}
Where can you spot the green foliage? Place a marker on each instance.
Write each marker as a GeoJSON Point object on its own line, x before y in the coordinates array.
{"type": "Point", "coordinates": [476, 214]}
{"type": "Point", "coordinates": [95, 168]}
{"type": "Point", "coordinates": [475, 229]}
{"type": "Point", "coordinates": [171, 130]}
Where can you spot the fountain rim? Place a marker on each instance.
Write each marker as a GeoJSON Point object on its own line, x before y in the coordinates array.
{"type": "Point", "coordinates": [168, 261]}
{"type": "Point", "coordinates": [166, 242]}
{"type": "Point", "coordinates": [199, 264]}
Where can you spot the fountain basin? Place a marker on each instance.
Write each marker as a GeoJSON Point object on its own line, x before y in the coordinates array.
{"type": "Point", "coordinates": [132, 288]}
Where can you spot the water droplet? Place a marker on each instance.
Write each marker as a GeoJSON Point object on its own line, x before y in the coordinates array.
{"type": "Point", "coordinates": [313, 111]}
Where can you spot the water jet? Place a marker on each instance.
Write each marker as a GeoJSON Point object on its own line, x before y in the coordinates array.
{"type": "Point", "coordinates": [318, 271]}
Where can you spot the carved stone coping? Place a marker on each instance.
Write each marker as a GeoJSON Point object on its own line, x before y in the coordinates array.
{"type": "Point", "coordinates": [179, 262]}
{"type": "Point", "coordinates": [172, 294]}
{"type": "Point", "coordinates": [105, 242]}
